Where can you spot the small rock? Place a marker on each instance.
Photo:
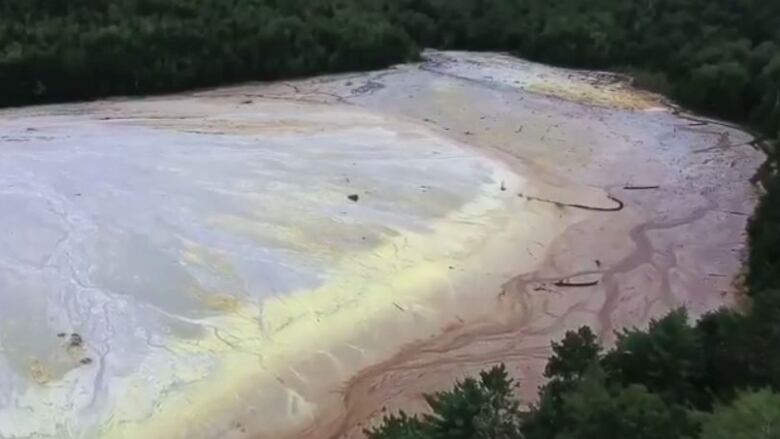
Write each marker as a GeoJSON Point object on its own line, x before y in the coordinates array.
{"type": "Point", "coordinates": [354, 198]}
{"type": "Point", "coordinates": [246, 102]}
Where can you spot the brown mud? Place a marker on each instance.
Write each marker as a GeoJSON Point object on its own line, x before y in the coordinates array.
{"type": "Point", "coordinates": [673, 235]}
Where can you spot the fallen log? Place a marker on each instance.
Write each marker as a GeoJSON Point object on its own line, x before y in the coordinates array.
{"type": "Point", "coordinates": [567, 283]}
{"type": "Point", "coordinates": [640, 188]}
{"type": "Point", "coordinates": [620, 204]}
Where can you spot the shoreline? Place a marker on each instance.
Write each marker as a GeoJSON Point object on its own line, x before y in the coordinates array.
{"type": "Point", "coordinates": [516, 339]}
{"type": "Point", "coordinates": [424, 322]}
{"type": "Point", "coordinates": [494, 270]}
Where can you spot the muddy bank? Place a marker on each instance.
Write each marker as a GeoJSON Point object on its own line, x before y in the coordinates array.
{"type": "Point", "coordinates": [679, 240]}
{"type": "Point", "coordinates": [290, 259]}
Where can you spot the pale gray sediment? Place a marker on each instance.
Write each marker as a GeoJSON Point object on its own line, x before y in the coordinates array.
{"type": "Point", "coordinates": [193, 265]}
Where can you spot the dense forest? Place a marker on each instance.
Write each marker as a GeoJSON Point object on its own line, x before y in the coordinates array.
{"type": "Point", "coordinates": [718, 56]}
{"type": "Point", "coordinates": [715, 378]}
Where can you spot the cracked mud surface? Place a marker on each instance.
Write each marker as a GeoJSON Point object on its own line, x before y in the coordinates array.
{"type": "Point", "coordinates": [207, 256]}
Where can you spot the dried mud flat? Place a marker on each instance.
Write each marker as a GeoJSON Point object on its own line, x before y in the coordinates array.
{"type": "Point", "coordinates": [683, 183]}
{"type": "Point", "coordinates": [304, 256]}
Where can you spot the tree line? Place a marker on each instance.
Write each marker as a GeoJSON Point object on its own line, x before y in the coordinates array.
{"type": "Point", "coordinates": [718, 56]}
{"type": "Point", "coordinates": [714, 378]}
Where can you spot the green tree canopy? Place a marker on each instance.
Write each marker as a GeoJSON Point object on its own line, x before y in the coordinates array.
{"type": "Point", "coordinates": [753, 415]}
